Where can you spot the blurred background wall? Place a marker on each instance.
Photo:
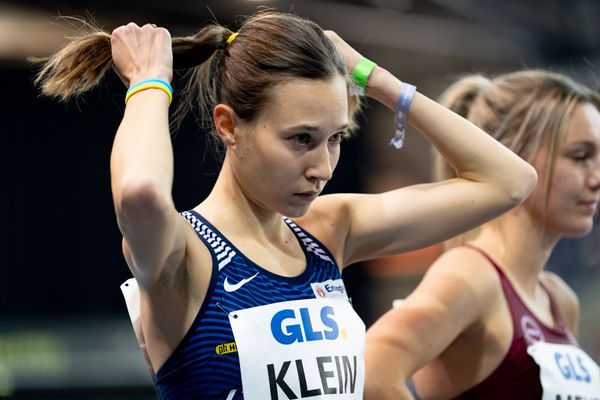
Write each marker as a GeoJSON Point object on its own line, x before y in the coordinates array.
{"type": "Point", "coordinates": [64, 331]}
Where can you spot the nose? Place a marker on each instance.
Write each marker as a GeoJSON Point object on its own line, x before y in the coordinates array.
{"type": "Point", "coordinates": [321, 164]}
{"type": "Point", "coordinates": [594, 179]}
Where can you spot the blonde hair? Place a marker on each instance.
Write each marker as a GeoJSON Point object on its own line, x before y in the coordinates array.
{"type": "Point", "coordinates": [523, 110]}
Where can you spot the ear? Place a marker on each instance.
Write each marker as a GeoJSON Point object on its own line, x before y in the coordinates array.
{"type": "Point", "coordinates": [225, 124]}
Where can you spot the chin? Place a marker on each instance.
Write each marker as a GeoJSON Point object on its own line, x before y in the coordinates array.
{"type": "Point", "coordinates": [579, 230]}
{"type": "Point", "coordinates": [295, 212]}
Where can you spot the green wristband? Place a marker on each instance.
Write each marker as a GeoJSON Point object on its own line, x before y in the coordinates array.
{"type": "Point", "coordinates": [362, 71]}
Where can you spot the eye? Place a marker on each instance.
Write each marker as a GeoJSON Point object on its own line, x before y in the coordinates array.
{"type": "Point", "coordinates": [580, 156]}
{"type": "Point", "coordinates": [337, 138]}
{"type": "Point", "coordinates": [302, 138]}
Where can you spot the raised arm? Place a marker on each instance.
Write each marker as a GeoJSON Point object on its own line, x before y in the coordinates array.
{"type": "Point", "coordinates": [491, 179]}
{"type": "Point", "coordinates": [142, 159]}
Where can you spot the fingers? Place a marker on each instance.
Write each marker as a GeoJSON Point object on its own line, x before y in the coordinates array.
{"type": "Point", "coordinates": [349, 54]}
{"type": "Point", "coordinates": [132, 26]}
{"type": "Point", "coordinates": [331, 35]}
{"type": "Point", "coordinates": [141, 52]}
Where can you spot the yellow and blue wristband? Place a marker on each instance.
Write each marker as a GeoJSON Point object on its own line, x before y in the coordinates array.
{"type": "Point", "coordinates": [150, 84]}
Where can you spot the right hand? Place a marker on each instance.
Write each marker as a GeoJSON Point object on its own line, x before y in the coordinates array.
{"type": "Point", "coordinates": [141, 53]}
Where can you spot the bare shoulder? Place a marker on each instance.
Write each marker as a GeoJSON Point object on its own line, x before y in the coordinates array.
{"type": "Point", "coordinates": [462, 278]}
{"type": "Point", "coordinates": [329, 207]}
{"type": "Point", "coordinates": [328, 220]}
{"type": "Point", "coordinates": [564, 296]}
{"type": "Point", "coordinates": [469, 263]}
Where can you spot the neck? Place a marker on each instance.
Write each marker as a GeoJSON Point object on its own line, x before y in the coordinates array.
{"type": "Point", "coordinates": [520, 244]}
{"type": "Point", "coordinates": [239, 216]}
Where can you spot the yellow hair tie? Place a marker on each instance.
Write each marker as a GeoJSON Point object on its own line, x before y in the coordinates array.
{"type": "Point", "coordinates": [231, 37]}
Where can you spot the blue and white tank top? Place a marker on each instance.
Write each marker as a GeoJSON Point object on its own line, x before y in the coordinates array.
{"type": "Point", "coordinates": [206, 365]}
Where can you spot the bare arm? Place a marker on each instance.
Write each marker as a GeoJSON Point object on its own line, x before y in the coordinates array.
{"type": "Point", "coordinates": [491, 180]}
{"type": "Point", "coordinates": [453, 295]}
{"type": "Point", "coordinates": [142, 160]}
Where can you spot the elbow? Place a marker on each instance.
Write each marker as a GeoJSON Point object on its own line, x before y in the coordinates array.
{"type": "Point", "coordinates": [140, 198]}
{"type": "Point", "coordinates": [521, 184]}
{"type": "Point", "coordinates": [386, 368]}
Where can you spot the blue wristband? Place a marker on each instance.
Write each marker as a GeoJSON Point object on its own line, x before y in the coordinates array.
{"type": "Point", "coordinates": [407, 92]}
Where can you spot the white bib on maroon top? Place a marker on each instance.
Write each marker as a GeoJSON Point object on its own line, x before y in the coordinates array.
{"type": "Point", "coordinates": [566, 372]}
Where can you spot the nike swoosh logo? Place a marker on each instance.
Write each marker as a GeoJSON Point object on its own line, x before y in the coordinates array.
{"type": "Point", "coordinates": [232, 288]}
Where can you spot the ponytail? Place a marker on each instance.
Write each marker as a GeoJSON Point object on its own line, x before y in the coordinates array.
{"type": "Point", "coordinates": [191, 51]}
{"type": "Point", "coordinates": [202, 56]}
{"type": "Point", "coordinates": [460, 96]}
{"type": "Point", "coordinates": [82, 62]}
{"type": "Point", "coordinates": [79, 66]}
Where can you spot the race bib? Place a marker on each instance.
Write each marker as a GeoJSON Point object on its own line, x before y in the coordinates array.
{"type": "Point", "coordinates": [566, 372]}
{"type": "Point", "coordinates": [311, 348]}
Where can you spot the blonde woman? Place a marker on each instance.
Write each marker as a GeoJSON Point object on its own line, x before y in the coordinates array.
{"type": "Point", "coordinates": [487, 322]}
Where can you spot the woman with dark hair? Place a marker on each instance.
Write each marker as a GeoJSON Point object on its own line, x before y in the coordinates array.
{"type": "Point", "coordinates": [242, 297]}
{"type": "Point", "coordinates": [487, 322]}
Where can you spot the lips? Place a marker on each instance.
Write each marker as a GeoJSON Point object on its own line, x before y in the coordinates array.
{"type": "Point", "coordinates": [591, 205]}
{"type": "Point", "coordinates": [308, 196]}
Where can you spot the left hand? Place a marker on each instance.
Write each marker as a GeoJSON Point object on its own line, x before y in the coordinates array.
{"type": "Point", "coordinates": [351, 57]}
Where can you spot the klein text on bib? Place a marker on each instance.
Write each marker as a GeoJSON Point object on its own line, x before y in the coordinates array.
{"type": "Point", "coordinates": [311, 348]}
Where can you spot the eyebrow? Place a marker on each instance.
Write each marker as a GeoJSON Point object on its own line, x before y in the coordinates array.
{"type": "Point", "coordinates": [585, 143]}
{"type": "Point", "coordinates": [314, 128]}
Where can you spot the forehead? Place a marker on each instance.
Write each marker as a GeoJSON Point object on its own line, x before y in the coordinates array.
{"type": "Point", "coordinates": [319, 103]}
{"type": "Point", "coordinates": [584, 125]}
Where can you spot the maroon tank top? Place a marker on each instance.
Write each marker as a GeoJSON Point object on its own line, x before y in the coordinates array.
{"type": "Point", "coordinates": [518, 376]}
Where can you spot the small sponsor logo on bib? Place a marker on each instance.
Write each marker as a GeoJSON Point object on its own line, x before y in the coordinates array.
{"type": "Point", "coordinates": [332, 289]}
{"type": "Point", "coordinates": [226, 348]}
